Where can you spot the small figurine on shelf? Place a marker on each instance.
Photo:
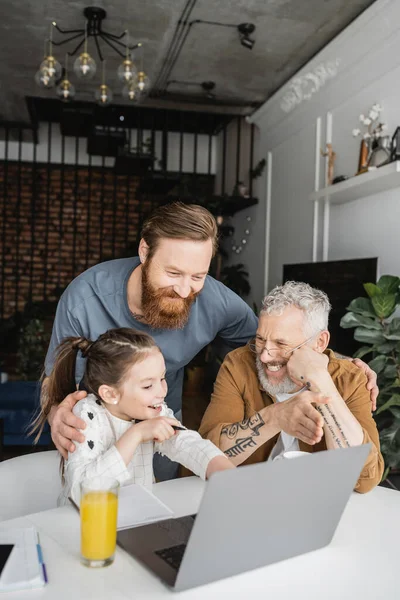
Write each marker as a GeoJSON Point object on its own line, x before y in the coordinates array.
{"type": "Point", "coordinates": [240, 190]}
{"type": "Point", "coordinates": [331, 155]}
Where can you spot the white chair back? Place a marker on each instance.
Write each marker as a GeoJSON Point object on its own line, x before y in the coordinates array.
{"type": "Point", "coordinates": [29, 484]}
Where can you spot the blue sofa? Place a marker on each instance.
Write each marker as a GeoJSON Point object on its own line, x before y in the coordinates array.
{"type": "Point", "coordinates": [19, 401]}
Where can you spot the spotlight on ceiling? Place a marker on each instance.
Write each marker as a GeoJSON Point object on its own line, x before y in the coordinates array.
{"type": "Point", "coordinates": [245, 30]}
{"type": "Point", "coordinates": [208, 87]}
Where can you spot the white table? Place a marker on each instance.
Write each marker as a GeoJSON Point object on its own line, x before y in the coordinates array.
{"type": "Point", "coordinates": [361, 563]}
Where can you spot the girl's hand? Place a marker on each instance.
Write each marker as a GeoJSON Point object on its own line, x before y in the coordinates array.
{"type": "Point", "coordinates": [218, 463]}
{"type": "Point", "coordinates": [158, 429]}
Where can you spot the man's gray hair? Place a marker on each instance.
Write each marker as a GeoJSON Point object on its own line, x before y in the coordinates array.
{"type": "Point", "coordinates": [314, 303]}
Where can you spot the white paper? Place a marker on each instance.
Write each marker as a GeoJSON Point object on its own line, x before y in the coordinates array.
{"type": "Point", "coordinates": [137, 506]}
{"type": "Point", "coordinates": [22, 569]}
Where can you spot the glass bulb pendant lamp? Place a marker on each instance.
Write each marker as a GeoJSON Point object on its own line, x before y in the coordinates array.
{"type": "Point", "coordinates": [85, 66]}
{"type": "Point", "coordinates": [143, 81]}
{"type": "Point", "coordinates": [127, 71]}
{"type": "Point", "coordinates": [130, 92]}
{"type": "Point", "coordinates": [103, 95]}
{"type": "Point", "coordinates": [53, 67]}
{"type": "Point", "coordinates": [66, 91]}
{"type": "Point", "coordinates": [44, 80]}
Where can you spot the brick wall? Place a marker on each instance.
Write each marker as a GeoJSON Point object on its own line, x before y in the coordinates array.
{"type": "Point", "coordinates": [57, 221]}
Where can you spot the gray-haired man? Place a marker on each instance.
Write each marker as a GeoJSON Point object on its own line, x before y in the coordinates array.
{"type": "Point", "coordinates": [286, 391]}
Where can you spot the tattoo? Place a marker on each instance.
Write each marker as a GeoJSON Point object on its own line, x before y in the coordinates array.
{"type": "Point", "coordinates": [240, 446]}
{"type": "Point", "coordinates": [328, 408]}
{"type": "Point", "coordinates": [337, 440]}
{"type": "Point", "coordinates": [231, 431]}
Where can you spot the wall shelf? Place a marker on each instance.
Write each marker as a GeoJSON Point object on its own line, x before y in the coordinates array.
{"type": "Point", "coordinates": [379, 180]}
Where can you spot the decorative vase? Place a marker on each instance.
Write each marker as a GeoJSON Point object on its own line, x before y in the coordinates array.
{"type": "Point", "coordinates": [380, 154]}
{"type": "Point", "coordinates": [365, 151]}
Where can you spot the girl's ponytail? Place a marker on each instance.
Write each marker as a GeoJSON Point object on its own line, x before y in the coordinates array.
{"type": "Point", "coordinates": [61, 382]}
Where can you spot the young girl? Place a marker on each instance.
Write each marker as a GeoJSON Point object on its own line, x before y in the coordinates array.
{"type": "Point", "coordinates": [125, 414]}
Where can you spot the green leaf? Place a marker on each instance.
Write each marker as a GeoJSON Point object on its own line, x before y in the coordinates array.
{"type": "Point", "coordinates": [385, 474]}
{"type": "Point", "coordinates": [395, 410]}
{"type": "Point", "coordinates": [362, 306]}
{"type": "Point", "coordinates": [384, 304]}
{"type": "Point", "coordinates": [372, 289]}
{"type": "Point", "coordinates": [392, 336]}
{"type": "Point", "coordinates": [386, 347]}
{"type": "Point", "coordinates": [394, 328]}
{"type": "Point", "coordinates": [378, 363]}
{"type": "Point", "coordinates": [368, 336]}
{"type": "Point", "coordinates": [351, 319]}
{"type": "Point", "coordinates": [389, 284]}
{"type": "Point", "coordinates": [394, 401]}
{"type": "Point", "coordinates": [390, 372]}
{"type": "Point", "coordinates": [390, 444]}
{"type": "Point", "coordinates": [363, 351]}
{"type": "Point", "coordinates": [388, 388]}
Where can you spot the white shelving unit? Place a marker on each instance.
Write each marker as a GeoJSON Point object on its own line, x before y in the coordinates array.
{"type": "Point", "coordinates": [361, 186]}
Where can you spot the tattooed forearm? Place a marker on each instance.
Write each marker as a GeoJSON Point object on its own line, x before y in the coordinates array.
{"type": "Point", "coordinates": [253, 423]}
{"type": "Point", "coordinates": [346, 441]}
{"type": "Point", "coordinates": [251, 426]}
{"type": "Point", "coordinates": [240, 446]}
{"type": "Point", "coordinates": [325, 411]}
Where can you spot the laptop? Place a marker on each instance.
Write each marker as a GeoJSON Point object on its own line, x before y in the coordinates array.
{"type": "Point", "coordinates": [251, 517]}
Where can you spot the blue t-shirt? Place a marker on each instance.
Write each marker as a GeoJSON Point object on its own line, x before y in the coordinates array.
{"type": "Point", "coordinates": [97, 301]}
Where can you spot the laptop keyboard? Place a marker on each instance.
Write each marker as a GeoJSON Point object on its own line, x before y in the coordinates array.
{"type": "Point", "coordinates": [173, 555]}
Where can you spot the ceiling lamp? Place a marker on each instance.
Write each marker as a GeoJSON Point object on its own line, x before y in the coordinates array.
{"type": "Point", "coordinates": [130, 92]}
{"type": "Point", "coordinates": [66, 91]}
{"type": "Point", "coordinates": [127, 72]}
{"type": "Point", "coordinates": [50, 71]}
{"type": "Point", "coordinates": [103, 95]}
{"type": "Point", "coordinates": [143, 81]}
{"type": "Point", "coordinates": [44, 80]}
{"type": "Point", "coordinates": [84, 66]}
{"type": "Point", "coordinates": [52, 66]}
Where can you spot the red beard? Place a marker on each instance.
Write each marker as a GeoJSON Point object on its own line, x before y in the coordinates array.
{"type": "Point", "coordinates": [164, 308]}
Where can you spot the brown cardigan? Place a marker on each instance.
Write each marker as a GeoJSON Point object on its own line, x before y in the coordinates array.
{"type": "Point", "coordinates": [238, 395]}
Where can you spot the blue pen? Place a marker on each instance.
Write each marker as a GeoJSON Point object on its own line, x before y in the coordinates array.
{"type": "Point", "coordinates": [41, 561]}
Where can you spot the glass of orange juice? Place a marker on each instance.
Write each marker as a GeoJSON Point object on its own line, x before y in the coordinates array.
{"type": "Point", "coordinates": [99, 511]}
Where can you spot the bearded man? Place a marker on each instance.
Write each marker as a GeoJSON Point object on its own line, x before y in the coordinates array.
{"type": "Point", "coordinates": [159, 293]}
{"type": "Point", "coordinates": [285, 391]}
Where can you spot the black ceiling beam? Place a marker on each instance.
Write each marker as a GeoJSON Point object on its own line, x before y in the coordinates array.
{"type": "Point", "coordinates": [52, 109]}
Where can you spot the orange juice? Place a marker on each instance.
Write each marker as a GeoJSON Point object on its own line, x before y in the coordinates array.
{"type": "Point", "coordinates": [99, 512]}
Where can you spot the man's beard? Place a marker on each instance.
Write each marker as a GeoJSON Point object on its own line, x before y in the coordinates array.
{"type": "Point", "coordinates": [164, 308]}
{"type": "Point", "coordinates": [285, 386]}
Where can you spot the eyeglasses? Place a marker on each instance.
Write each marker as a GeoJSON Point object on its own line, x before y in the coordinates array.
{"type": "Point", "coordinates": [282, 350]}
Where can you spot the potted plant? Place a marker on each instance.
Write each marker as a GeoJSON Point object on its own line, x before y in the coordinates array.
{"type": "Point", "coordinates": [377, 327]}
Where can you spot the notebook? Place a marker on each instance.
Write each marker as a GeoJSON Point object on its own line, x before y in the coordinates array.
{"type": "Point", "coordinates": [137, 506]}
{"type": "Point", "coordinates": [24, 567]}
